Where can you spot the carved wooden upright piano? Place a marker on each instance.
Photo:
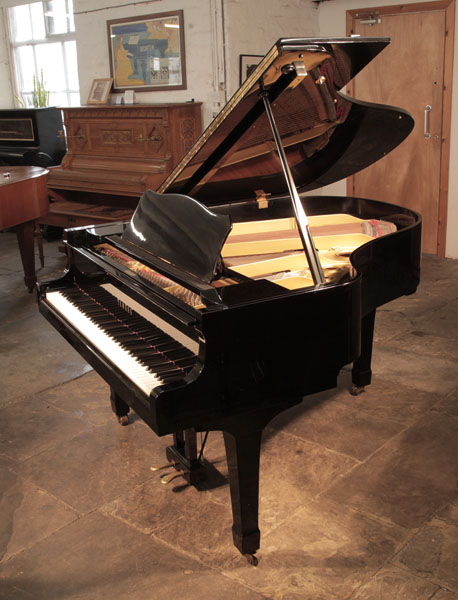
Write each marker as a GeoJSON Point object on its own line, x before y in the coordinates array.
{"type": "Point", "coordinates": [115, 153]}
{"type": "Point", "coordinates": [231, 294]}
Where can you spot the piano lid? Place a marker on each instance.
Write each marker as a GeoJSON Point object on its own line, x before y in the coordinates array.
{"type": "Point", "coordinates": [326, 135]}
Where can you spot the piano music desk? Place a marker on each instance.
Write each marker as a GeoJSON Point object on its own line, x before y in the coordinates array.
{"type": "Point", "coordinates": [23, 199]}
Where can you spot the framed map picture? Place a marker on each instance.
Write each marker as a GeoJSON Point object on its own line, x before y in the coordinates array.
{"type": "Point", "coordinates": [147, 53]}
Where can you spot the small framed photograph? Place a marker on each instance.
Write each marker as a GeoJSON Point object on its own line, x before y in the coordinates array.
{"type": "Point", "coordinates": [147, 53]}
{"type": "Point", "coordinates": [100, 91]}
{"type": "Point", "coordinates": [248, 63]}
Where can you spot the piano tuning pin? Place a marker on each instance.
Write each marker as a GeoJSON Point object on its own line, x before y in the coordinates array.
{"type": "Point", "coordinates": [160, 467]}
{"type": "Point", "coordinates": [168, 478]}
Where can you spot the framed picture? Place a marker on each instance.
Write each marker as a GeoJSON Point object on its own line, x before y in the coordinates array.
{"type": "Point", "coordinates": [147, 53]}
{"type": "Point", "coordinates": [248, 63]}
{"type": "Point", "coordinates": [100, 91]}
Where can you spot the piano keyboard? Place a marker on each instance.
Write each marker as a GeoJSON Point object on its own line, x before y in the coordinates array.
{"type": "Point", "coordinates": [147, 349]}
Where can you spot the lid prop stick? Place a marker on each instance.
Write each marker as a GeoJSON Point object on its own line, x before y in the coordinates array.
{"type": "Point", "coordinates": [301, 217]}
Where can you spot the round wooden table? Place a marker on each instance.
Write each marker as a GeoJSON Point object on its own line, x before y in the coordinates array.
{"type": "Point", "coordinates": [23, 198]}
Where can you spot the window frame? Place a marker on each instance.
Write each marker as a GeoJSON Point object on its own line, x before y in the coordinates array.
{"type": "Point", "coordinates": [50, 38]}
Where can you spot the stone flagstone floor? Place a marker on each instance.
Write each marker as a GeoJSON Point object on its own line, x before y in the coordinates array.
{"type": "Point", "coordinates": [358, 495]}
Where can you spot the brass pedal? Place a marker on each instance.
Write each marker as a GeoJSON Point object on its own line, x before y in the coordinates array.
{"type": "Point", "coordinates": [168, 478]}
{"type": "Point", "coordinates": [160, 467]}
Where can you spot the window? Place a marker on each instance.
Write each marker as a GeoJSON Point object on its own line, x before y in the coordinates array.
{"type": "Point", "coordinates": [43, 41]}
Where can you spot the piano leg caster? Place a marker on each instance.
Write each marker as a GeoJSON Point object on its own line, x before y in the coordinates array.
{"type": "Point", "coordinates": [357, 390]}
{"type": "Point", "coordinates": [119, 407]}
{"type": "Point", "coordinates": [251, 559]}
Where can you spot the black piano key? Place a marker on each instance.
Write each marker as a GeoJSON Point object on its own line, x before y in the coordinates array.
{"type": "Point", "coordinates": [185, 367]}
{"type": "Point", "coordinates": [115, 326]}
{"type": "Point", "coordinates": [177, 356]}
{"type": "Point", "coordinates": [142, 329]}
{"type": "Point", "coordinates": [152, 340]}
{"type": "Point", "coordinates": [148, 354]}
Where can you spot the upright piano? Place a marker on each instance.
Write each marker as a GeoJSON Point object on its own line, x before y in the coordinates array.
{"type": "Point", "coordinates": [114, 153]}
{"type": "Point", "coordinates": [232, 292]}
{"type": "Point", "coordinates": [30, 136]}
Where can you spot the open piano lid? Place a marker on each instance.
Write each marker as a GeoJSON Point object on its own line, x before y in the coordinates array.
{"type": "Point", "coordinates": [326, 137]}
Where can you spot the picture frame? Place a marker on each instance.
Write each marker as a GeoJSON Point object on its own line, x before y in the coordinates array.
{"type": "Point", "coordinates": [147, 53]}
{"type": "Point", "coordinates": [100, 90]}
{"type": "Point", "coordinates": [248, 63]}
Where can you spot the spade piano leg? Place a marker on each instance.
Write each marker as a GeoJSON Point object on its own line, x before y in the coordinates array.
{"type": "Point", "coordinates": [242, 452]}
{"type": "Point", "coordinates": [119, 407]}
{"type": "Point", "coordinates": [361, 372]}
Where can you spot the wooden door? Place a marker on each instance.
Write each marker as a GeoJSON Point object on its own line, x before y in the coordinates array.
{"type": "Point", "coordinates": [410, 74]}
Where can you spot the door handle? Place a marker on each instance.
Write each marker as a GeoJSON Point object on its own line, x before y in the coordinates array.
{"type": "Point", "coordinates": [426, 130]}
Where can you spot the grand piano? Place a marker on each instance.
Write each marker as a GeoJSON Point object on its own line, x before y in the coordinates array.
{"type": "Point", "coordinates": [233, 292]}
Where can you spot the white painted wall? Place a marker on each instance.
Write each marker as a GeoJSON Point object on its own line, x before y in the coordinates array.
{"type": "Point", "coordinates": [252, 27]}
{"type": "Point", "coordinates": [216, 33]}
{"type": "Point", "coordinates": [332, 23]}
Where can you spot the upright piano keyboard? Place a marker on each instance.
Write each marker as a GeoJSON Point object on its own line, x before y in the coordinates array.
{"type": "Point", "coordinates": [232, 293]}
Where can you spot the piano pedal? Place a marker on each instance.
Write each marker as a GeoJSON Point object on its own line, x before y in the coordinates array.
{"type": "Point", "coordinates": [168, 478]}
{"type": "Point", "coordinates": [160, 467]}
